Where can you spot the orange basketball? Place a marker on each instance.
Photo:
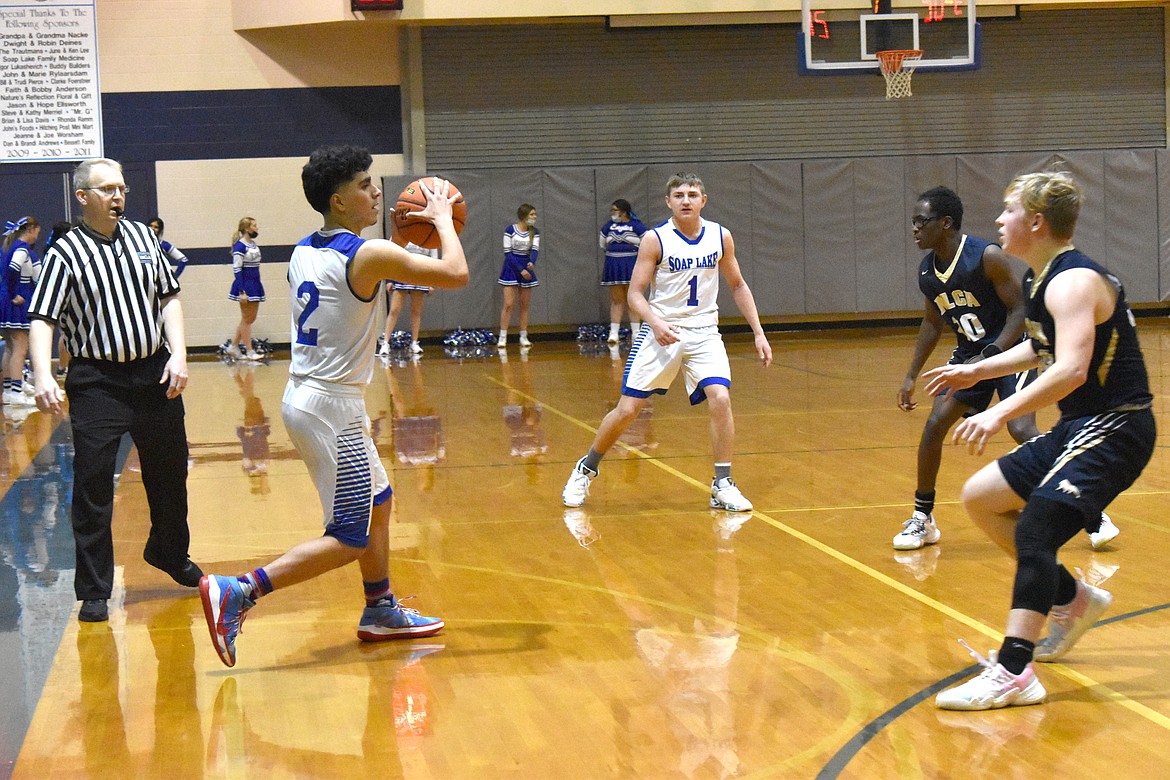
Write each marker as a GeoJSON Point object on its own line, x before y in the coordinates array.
{"type": "Point", "coordinates": [419, 231]}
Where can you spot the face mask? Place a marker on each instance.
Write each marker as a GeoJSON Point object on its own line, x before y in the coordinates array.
{"type": "Point", "coordinates": [531, 221]}
{"type": "Point", "coordinates": [616, 217]}
{"type": "Point", "coordinates": [253, 233]}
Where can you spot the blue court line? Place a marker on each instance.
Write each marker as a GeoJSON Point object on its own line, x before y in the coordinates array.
{"type": "Point", "coordinates": [850, 749]}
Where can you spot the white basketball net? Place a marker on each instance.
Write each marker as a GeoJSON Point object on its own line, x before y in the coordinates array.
{"type": "Point", "coordinates": [898, 66]}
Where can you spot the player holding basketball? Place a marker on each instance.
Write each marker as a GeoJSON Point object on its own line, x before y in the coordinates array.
{"type": "Point", "coordinates": [972, 286]}
{"type": "Point", "coordinates": [673, 291]}
{"type": "Point", "coordinates": [1034, 499]}
{"type": "Point", "coordinates": [336, 281]}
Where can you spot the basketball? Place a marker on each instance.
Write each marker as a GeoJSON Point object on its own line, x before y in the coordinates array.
{"type": "Point", "coordinates": [419, 231]}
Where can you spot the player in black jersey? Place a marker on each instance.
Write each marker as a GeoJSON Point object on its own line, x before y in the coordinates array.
{"type": "Point", "coordinates": [1033, 500]}
{"type": "Point", "coordinates": [970, 285]}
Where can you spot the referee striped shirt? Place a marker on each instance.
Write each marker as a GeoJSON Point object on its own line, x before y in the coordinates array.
{"type": "Point", "coordinates": [106, 294]}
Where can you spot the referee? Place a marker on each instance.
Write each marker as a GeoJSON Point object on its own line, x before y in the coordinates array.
{"type": "Point", "coordinates": [110, 289]}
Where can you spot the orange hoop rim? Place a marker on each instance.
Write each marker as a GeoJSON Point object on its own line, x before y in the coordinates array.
{"type": "Point", "coordinates": [891, 60]}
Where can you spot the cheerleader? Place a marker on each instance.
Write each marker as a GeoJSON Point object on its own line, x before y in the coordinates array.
{"type": "Point", "coordinates": [22, 268]}
{"type": "Point", "coordinates": [246, 287]}
{"type": "Point", "coordinates": [521, 245]}
{"type": "Point", "coordinates": [620, 238]}
{"type": "Point", "coordinates": [177, 259]}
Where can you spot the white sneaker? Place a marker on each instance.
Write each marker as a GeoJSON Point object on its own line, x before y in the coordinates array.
{"type": "Point", "coordinates": [252, 355]}
{"type": "Point", "coordinates": [577, 488]}
{"type": "Point", "coordinates": [233, 352]}
{"type": "Point", "coordinates": [524, 342]}
{"type": "Point", "coordinates": [613, 337]}
{"type": "Point", "coordinates": [1067, 623]}
{"type": "Point", "coordinates": [502, 342]}
{"type": "Point", "coordinates": [725, 495]}
{"type": "Point", "coordinates": [917, 532]}
{"type": "Point", "coordinates": [996, 687]}
{"type": "Point", "coordinates": [579, 526]}
{"type": "Point", "coordinates": [1105, 534]}
{"type": "Point", "coordinates": [416, 348]}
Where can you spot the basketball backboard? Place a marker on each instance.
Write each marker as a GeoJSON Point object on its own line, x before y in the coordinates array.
{"type": "Point", "coordinates": [844, 36]}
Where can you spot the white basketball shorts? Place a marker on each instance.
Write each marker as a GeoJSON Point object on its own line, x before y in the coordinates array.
{"type": "Point", "coordinates": [328, 425]}
{"type": "Point", "coordinates": [699, 352]}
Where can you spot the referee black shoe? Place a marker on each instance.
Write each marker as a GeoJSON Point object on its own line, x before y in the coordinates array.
{"type": "Point", "coordinates": [93, 611]}
{"type": "Point", "coordinates": [186, 574]}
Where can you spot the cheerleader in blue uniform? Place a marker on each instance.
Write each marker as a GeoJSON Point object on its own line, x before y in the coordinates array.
{"type": "Point", "coordinates": [246, 287]}
{"type": "Point", "coordinates": [620, 238]}
{"type": "Point", "coordinates": [176, 257]}
{"type": "Point", "coordinates": [521, 246]}
{"type": "Point", "coordinates": [22, 266]}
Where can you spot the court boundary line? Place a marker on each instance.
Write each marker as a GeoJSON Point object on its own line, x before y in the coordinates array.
{"type": "Point", "coordinates": [1085, 681]}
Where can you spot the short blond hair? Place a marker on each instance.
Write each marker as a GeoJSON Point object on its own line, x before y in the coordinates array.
{"type": "Point", "coordinates": [1055, 194]}
{"type": "Point", "coordinates": [681, 179]}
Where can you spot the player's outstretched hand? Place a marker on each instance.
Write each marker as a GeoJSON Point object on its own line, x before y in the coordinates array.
{"type": "Point", "coordinates": [977, 430]}
{"type": "Point", "coordinates": [438, 202]}
{"type": "Point", "coordinates": [906, 400]}
{"type": "Point", "coordinates": [953, 376]}
{"type": "Point", "coordinates": [764, 350]}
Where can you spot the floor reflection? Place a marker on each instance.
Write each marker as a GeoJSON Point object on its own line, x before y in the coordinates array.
{"type": "Point", "coordinates": [36, 566]}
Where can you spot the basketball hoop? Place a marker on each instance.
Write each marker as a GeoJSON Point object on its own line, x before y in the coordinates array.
{"type": "Point", "coordinates": [898, 66]}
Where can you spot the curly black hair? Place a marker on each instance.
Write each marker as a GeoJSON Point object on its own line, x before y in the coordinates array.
{"type": "Point", "coordinates": [328, 168]}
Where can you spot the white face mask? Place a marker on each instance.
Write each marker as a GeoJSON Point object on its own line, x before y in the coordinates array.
{"type": "Point", "coordinates": [616, 217]}
{"type": "Point", "coordinates": [531, 221]}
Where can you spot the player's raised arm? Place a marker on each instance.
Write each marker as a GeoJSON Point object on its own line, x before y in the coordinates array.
{"type": "Point", "coordinates": [380, 259]}
{"type": "Point", "coordinates": [729, 267]}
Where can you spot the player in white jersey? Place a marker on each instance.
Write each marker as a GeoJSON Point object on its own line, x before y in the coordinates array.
{"type": "Point", "coordinates": [336, 280]}
{"type": "Point", "coordinates": [673, 291]}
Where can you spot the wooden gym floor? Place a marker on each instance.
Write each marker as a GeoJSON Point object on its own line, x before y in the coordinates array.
{"type": "Point", "coordinates": [644, 636]}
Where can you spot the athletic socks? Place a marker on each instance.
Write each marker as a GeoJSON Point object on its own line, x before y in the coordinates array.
{"type": "Point", "coordinates": [722, 471]}
{"type": "Point", "coordinates": [376, 591]}
{"type": "Point", "coordinates": [1016, 654]}
{"type": "Point", "coordinates": [256, 583]}
{"type": "Point", "coordinates": [924, 502]}
{"type": "Point", "coordinates": [592, 460]}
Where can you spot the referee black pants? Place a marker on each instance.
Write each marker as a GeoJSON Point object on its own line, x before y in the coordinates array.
{"type": "Point", "coordinates": [106, 401]}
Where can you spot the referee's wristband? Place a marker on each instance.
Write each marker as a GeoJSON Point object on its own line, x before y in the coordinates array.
{"type": "Point", "coordinates": [991, 350]}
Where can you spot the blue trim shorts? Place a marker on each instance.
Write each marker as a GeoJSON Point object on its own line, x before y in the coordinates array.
{"type": "Point", "coordinates": [1083, 462]}
{"type": "Point", "coordinates": [699, 352]}
{"type": "Point", "coordinates": [328, 425]}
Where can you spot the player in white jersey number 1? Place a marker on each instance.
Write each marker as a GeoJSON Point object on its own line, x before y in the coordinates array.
{"type": "Point", "coordinates": [673, 291]}
{"type": "Point", "coordinates": [336, 281]}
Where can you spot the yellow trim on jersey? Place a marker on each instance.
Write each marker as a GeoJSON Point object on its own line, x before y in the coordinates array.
{"type": "Point", "coordinates": [943, 276]}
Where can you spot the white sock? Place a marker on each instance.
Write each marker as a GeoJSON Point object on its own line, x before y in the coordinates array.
{"type": "Point", "coordinates": [504, 334]}
{"type": "Point", "coordinates": [635, 326]}
{"type": "Point", "coordinates": [613, 328]}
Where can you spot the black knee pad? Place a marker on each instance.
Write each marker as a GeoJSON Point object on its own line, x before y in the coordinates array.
{"type": "Point", "coordinates": [1042, 528]}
